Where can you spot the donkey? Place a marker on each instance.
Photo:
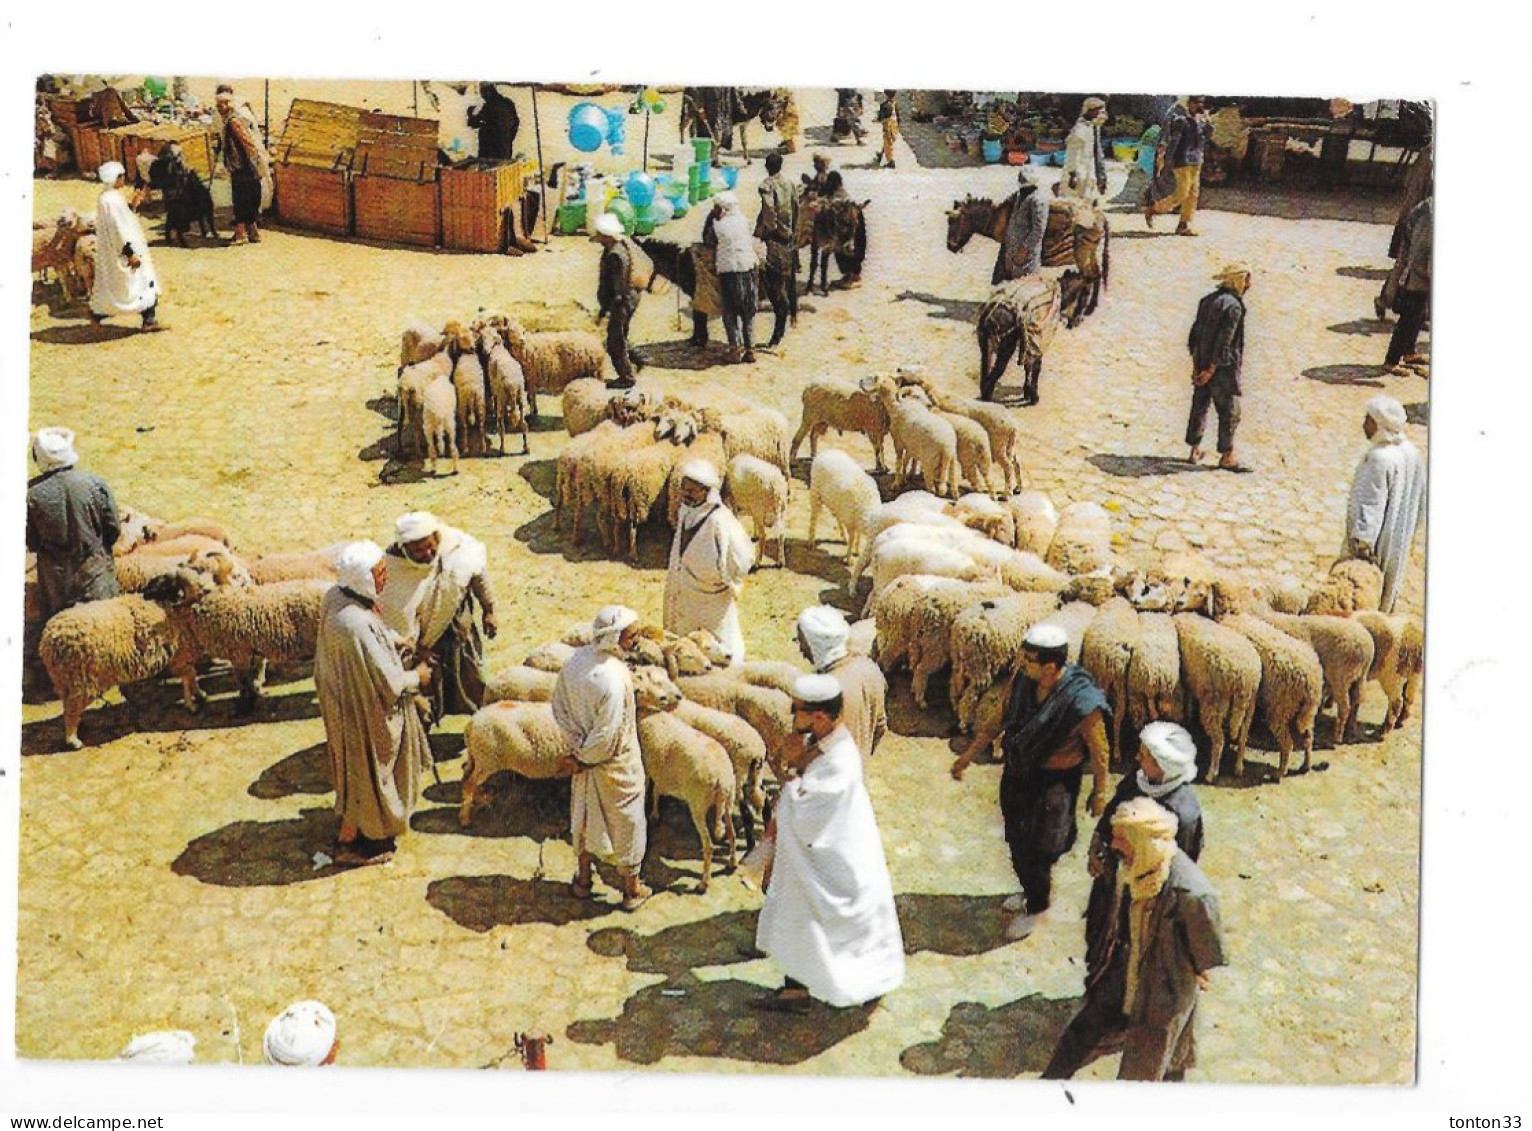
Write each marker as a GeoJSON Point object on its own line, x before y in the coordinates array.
{"type": "Point", "coordinates": [833, 227]}
{"type": "Point", "coordinates": [1021, 317]}
{"type": "Point", "coordinates": [714, 111]}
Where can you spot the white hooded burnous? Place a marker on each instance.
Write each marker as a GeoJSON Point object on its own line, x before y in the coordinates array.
{"type": "Point", "coordinates": [710, 558]}
{"type": "Point", "coordinates": [1388, 497]}
{"type": "Point", "coordinates": [120, 288]}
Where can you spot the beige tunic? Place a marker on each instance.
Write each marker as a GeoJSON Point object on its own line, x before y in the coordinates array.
{"type": "Point", "coordinates": [593, 703]}
{"type": "Point", "coordinates": [420, 601]}
{"type": "Point", "coordinates": [705, 578]}
{"type": "Point", "coordinates": [865, 691]}
{"type": "Point", "coordinates": [377, 743]}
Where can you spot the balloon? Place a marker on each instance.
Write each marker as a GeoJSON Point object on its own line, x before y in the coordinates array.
{"type": "Point", "coordinates": [640, 189]}
{"type": "Point", "coordinates": [155, 86]}
{"type": "Point", "coordinates": [587, 127]}
{"type": "Point", "coordinates": [658, 106]}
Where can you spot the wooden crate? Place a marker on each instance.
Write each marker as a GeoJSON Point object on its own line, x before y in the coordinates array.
{"type": "Point", "coordinates": [94, 147]}
{"type": "Point", "coordinates": [68, 111]}
{"type": "Point", "coordinates": [318, 135]}
{"type": "Point", "coordinates": [392, 146]}
{"type": "Point", "coordinates": [474, 203]}
{"type": "Point", "coordinates": [393, 210]}
{"type": "Point", "coordinates": [317, 199]}
{"type": "Point", "coordinates": [196, 145]}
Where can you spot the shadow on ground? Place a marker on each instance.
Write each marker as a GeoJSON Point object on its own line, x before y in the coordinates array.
{"type": "Point", "coordinates": [1138, 467]}
{"type": "Point", "coordinates": [956, 310]}
{"type": "Point", "coordinates": [1302, 203]}
{"type": "Point", "coordinates": [1362, 326]}
{"type": "Point", "coordinates": [1000, 1043]}
{"type": "Point", "coordinates": [86, 334]}
{"type": "Point", "coordinates": [1347, 375]}
{"type": "Point", "coordinates": [959, 926]}
{"type": "Point", "coordinates": [506, 806]}
{"type": "Point", "coordinates": [1418, 413]}
{"type": "Point", "coordinates": [676, 951]}
{"type": "Point", "coordinates": [689, 1017]}
{"type": "Point", "coordinates": [905, 716]}
{"type": "Point", "coordinates": [481, 903]}
{"type": "Point", "coordinates": [1371, 274]}
{"type": "Point", "coordinates": [306, 772]}
{"type": "Point", "coordinates": [262, 853]}
{"type": "Point", "coordinates": [681, 354]}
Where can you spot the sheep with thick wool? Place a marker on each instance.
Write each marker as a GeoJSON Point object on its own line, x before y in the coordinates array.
{"type": "Point", "coordinates": [1036, 521]}
{"type": "Point", "coordinates": [922, 439]}
{"type": "Point", "coordinates": [553, 358]}
{"type": "Point", "coordinates": [508, 405]}
{"type": "Point", "coordinates": [758, 490]}
{"type": "Point", "coordinates": [746, 750]}
{"type": "Point", "coordinates": [838, 484]}
{"type": "Point", "coordinates": [297, 565]}
{"type": "Point", "coordinates": [519, 682]}
{"type": "Point", "coordinates": [999, 424]}
{"type": "Point", "coordinates": [1221, 672]}
{"type": "Point", "coordinates": [1154, 675]}
{"type": "Point", "coordinates": [410, 399]}
{"type": "Point", "coordinates": [1352, 586]}
{"type": "Point", "coordinates": [846, 406]}
{"type": "Point", "coordinates": [934, 613]}
{"type": "Point", "coordinates": [768, 711]}
{"type": "Point", "coordinates": [1345, 649]}
{"type": "Point", "coordinates": [1398, 664]}
{"type": "Point", "coordinates": [986, 639]}
{"type": "Point", "coordinates": [1106, 652]}
{"type": "Point", "coordinates": [583, 470]}
{"type": "Point", "coordinates": [439, 421]}
{"type": "Point", "coordinates": [1082, 543]}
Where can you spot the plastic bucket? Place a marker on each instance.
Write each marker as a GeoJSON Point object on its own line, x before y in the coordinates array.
{"type": "Point", "coordinates": [702, 150]}
{"type": "Point", "coordinates": [1040, 159]}
{"type": "Point", "coordinates": [992, 151]}
{"type": "Point", "coordinates": [1125, 150]}
{"type": "Point", "coordinates": [730, 175]}
{"type": "Point", "coordinates": [1146, 159]}
{"type": "Point", "coordinates": [570, 218]}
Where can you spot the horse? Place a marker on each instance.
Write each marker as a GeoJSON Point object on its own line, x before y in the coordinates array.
{"type": "Point", "coordinates": [714, 111]}
{"type": "Point", "coordinates": [1021, 316]}
{"type": "Point", "coordinates": [1067, 242]}
{"type": "Point", "coordinates": [833, 227]}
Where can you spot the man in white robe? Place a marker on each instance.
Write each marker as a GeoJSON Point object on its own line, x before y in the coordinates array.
{"type": "Point", "coordinates": [822, 636]}
{"type": "Point", "coordinates": [1388, 497]}
{"type": "Point", "coordinates": [376, 740]}
{"type": "Point", "coordinates": [593, 704]}
{"type": "Point", "coordinates": [1084, 160]}
{"type": "Point", "coordinates": [709, 560]}
{"type": "Point", "coordinates": [829, 920]}
{"type": "Point", "coordinates": [437, 580]}
{"type": "Point", "coordinates": [125, 278]}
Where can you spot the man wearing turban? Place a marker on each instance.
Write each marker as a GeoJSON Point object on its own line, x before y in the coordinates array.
{"type": "Point", "coordinates": [1388, 497]}
{"type": "Point", "coordinates": [373, 729]}
{"type": "Point", "coordinates": [710, 557]}
{"type": "Point", "coordinates": [822, 636]}
{"type": "Point", "coordinates": [1161, 939]}
{"type": "Point", "coordinates": [437, 582]}
{"type": "Point", "coordinates": [72, 525]}
{"type": "Point", "coordinates": [125, 278]}
{"type": "Point", "coordinates": [1084, 159]}
{"type": "Point", "coordinates": [593, 705]}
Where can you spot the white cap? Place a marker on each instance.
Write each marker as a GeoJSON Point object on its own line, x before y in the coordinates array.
{"type": "Point", "coordinates": [353, 566]}
{"type": "Point", "coordinates": [702, 471]}
{"type": "Point", "coordinates": [607, 224]}
{"type": "Point", "coordinates": [53, 448]}
{"type": "Point", "coordinates": [609, 623]}
{"type": "Point", "coordinates": [109, 173]}
{"type": "Point", "coordinates": [170, 1046]}
{"type": "Point", "coordinates": [1172, 747]}
{"type": "Point", "coordinates": [301, 1036]}
{"type": "Point", "coordinates": [825, 631]}
{"type": "Point", "coordinates": [1045, 637]}
{"type": "Point", "coordinates": [416, 525]}
{"type": "Point", "coordinates": [726, 201]}
{"type": "Point", "coordinates": [815, 689]}
{"type": "Point", "coordinates": [1387, 413]}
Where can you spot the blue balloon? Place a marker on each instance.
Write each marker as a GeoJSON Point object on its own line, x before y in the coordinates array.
{"type": "Point", "coordinates": [587, 127]}
{"type": "Point", "coordinates": [640, 189]}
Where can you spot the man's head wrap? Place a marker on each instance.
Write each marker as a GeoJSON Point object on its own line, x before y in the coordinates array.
{"type": "Point", "coordinates": [1092, 104]}
{"type": "Point", "coordinates": [702, 471]}
{"type": "Point", "coordinates": [727, 202]}
{"type": "Point", "coordinates": [170, 1046]}
{"type": "Point", "coordinates": [53, 448]}
{"type": "Point", "coordinates": [301, 1036]}
{"type": "Point", "coordinates": [416, 525]}
{"type": "Point", "coordinates": [606, 628]}
{"type": "Point", "coordinates": [1388, 414]}
{"type": "Point", "coordinates": [1232, 271]}
{"type": "Point", "coordinates": [1173, 750]}
{"type": "Point", "coordinates": [816, 690]}
{"type": "Point", "coordinates": [825, 631]}
{"type": "Point", "coordinates": [109, 173]}
{"type": "Point", "coordinates": [1151, 829]}
{"type": "Point", "coordinates": [354, 567]}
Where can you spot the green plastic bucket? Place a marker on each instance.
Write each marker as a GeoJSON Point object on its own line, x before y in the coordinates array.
{"type": "Point", "coordinates": [702, 148]}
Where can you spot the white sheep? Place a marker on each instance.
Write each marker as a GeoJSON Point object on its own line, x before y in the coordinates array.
{"type": "Point", "coordinates": [521, 737]}
{"type": "Point", "coordinates": [1106, 652]}
{"type": "Point", "coordinates": [1345, 649]}
{"type": "Point", "coordinates": [418, 342]}
{"type": "Point", "coordinates": [553, 358]}
{"type": "Point", "coordinates": [1083, 541]}
{"type": "Point", "coordinates": [746, 750]}
{"type": "Point", "coordinates": [529, 685]}
{"type": "Point", "coordinates": [846, 406]}
{"type": "Point", "coordinates": [838, 484]}
{"type": "Point", "coordinates": [1398, 664]}
{"type": "Point", "coordinates": [295, 566]}
{"type": "Point", "coordinates": [934, 614]}
{"type": "Point", "coordinates": [439, 420]}
{"type": "Point", "coordinates": [1074, 618]}
{"type": "Point", "coordinates": [768, 673]}
{"type": "Point", "coordinates": [472, 410]}
{"type": "Point", "coordinates": [1353, 585]}
{"type": "Point", "coordinates": [975, 461]}
{"type": "Point", "coordinates": [507, 402]}
{"type": "Point", "coordinates": [583, 470]}
{"type": "Point", "coordinates": [768, 711]}
{"type": "Point", "coordinates": [986, 639]}
{"type": "Point", "coordinates": [549, 657]}
{"type": "Point", "coordinates": [754, 431]}
{"type": "Point", "coordinates": [900, 557]}
{"type": "Point", "coordinates": [921, 438]}
{"type": "Point", "coordinates": [757, 489]}
{"type": "Point", "coordinates": [1036, 521]}
{"type": "Point", "coordinates": [988, 516]}
{"type": "Point", "coordinates": [589, 400]}
{"type": "Point", "coordinates": [690, 765]}
{"type": "Point", "coordinates": [1221, 672]}
{"type": "Point", "coordinates": [410, 397]}
{"type": "Point", "coordinates": [1154, 676]}
{"type": "Point", "coordinates": [1004, 437]}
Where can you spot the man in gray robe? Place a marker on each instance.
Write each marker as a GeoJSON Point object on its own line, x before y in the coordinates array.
{"type": "Point", "coordinates": [72, 525]}
{"type": "Point", "coordinates": [1021, 246]}
{"type": "Point", "coordinates": [372, 725]}
{"type": "Point", "coordinates": [822, 636]}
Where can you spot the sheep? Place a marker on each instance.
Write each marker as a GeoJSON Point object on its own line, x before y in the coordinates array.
{"type": "Point", "coordinates": [182, 545]}
{"type": "Point", "coordinates": [1036, 521]}
{"type": "Point", "coordinates": [53, 247]}
{"type": "Point", "coordinates": [1398, 661]}
{"type": "Point", "coordinates": [1181, 582]}
{"type": "Point", "coordinates": [693, 654]}
{"type": "Point", "coordinates": [894, 620]}
{"type": "Point", "coordinates": [758, 489]}
{"type": "Point", "coordinates": [582, 470]}
{"type": "Point", "coordinates": [588, 401]}
{"type": "Point", "coordinates": [472, 411]}
{"type": "Point", "coordinates": [84, 265]}
{"type": "Point", "coordinates": [410, 397]}
{"type": "Point", "coordinates": [439, 405]}
{"type": "Point", "coordinates": [1292, 680]}
{"type": "Point", "coordinates": [1154, 675]}
{"type": "Point", "coordinates": [133, 529]}
{"type": "Point", "coordinates": [577, 635]}
{"type": "Point", "coordinates": [838, 484]}
{"type": "Point", "coordinates": [1106, 652]}
{"type": "Point", "coordinates": [1074, 618]}
{"type": "Point", "coordinates": [626, 484]}
{"type": "Point", "coordinates": [248, 626]}
{"type": "Point", "coordinates": [528, 685]}
{"type": "Point", "coordinates": [987, 516]}
{"type": "Point", "coordinates": [846, 406]}
{"type": "Point", "coordinates": [1353, 585]}
{"type": "Point", "coordinates": [511, 735]}
{"type": "Point", "coordinates": [920, 507]}
{"type": "Point", "coordinates": [553, 358]}
{"type": "Point", "coordinates": [1221, 672]}
{"type": "Point", "coordinates": [550, 657]}
{"type": "Point", "coordinates": [1345, 649]}
{"type": "Point", "coordinates": [1286, 595]}
{"type": "Point", "coordinates": [316, 564]}
{"type": "Point", "coordinates": [898, 558]}
{"type": "Point", "coordinates": [863, 634]}
{"type": "Point", "coordinates": [92, 647]}
{"type": "Point", "coordinates": [934, 614]}
{"type": "Point", "coordinates": [135, 571]}
{"type": "Point", "coordinates": [1004, 436]}
{"type": "Point", "coordinates": [986, 639]}
{"type": "Point", "coordinates": [920, 438]}
{"type": "Point", "coordinates": [759, 432]}
{"type": "Point", "coordinates": [690, 765]}
{"type": "Point", "coordinates": [768, 711]}
{"type": "Point", "coordinates": [1083, 541]}
{"type": "Point", "coordinates": [961, 553]}
{"type": "Point", "coordinates": [418, 342]}
{"type": "Point", "coordinates": [975, 460]}
{"type": "Point", "coordinates": [505, 387]}
{"type": "Point", "coordinates": [747, 753]}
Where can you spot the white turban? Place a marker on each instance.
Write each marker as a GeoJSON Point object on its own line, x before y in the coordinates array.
{"type": "Point", "coordinates": [812, 690]}
{"type": "Point", "coordinates": [53, 448]}
{"type": "Point", "coordinates": [727, 201]}
{"type": "Point", "coordinates": [1045, 637]}
{"type": "Point", "coordinates": [110, 172]}
{"type": "Point", "coordinates": [1388, 414]}
{"type": "Point", "coordinates": [702, 471]}
{"type": "Point", "coordinates": [354, 567]}
{"type": "Point", "coordinates": [416, 525]}
{"type": "Point", "coordinates": [171, 1046]}
{"type": "Point", "coordinates": [1174, 751]}
{"type": "Point", "coordinates": [825, 631]}
{"type": "Point", "coordinates": [301, 1036]}
{"type": "Point", "coordinates": [607, 224]}
{"type": "Point", "coordinates": [608, 625]}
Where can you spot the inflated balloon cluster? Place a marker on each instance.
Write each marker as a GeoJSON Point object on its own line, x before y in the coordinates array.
{"type": "Point", "coordinates": [592, 126]}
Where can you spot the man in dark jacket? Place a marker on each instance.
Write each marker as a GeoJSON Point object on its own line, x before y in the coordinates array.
{"type": "Point", "coordinates": [72, 526]}
{"type": "Point", "coordinates": [1021, 244]}
{"type": "Point", "coordinates": [1177, 180]}
{"type": "Point", "coordinates": [616, 297]}
{"type": "Point", "coordinates": [1158, 946]}
{"type": "Point", "coordinates": [497, 122]}
{"type": "Point", "coordinates": [1055, 721]}
{"type": "Point", "coordinates": [1412, 291]}
{"type": "Point", "coordinates": [1217, 345]}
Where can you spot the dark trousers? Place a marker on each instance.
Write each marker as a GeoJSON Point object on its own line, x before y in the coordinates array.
{"type": "Point", "coordinates": [1036, 876]}
{"type": "Point", "coordinates": [1412, 316]}
{"type": "Point", "coordinates": [617, 340]}
{"type": "Point", "coordinates": [1222, 394]}
{"type": "Point", "coordinates": [737, 289]}
{"type": "Point", "coordinates": [1096, 1031]}
{"type": "Point", "coordinates": [1038, 809]}
{"type": "Point", "coordinates": [247, 198]}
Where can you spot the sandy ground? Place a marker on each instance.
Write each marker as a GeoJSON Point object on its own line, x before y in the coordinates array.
{"type": "Point", "coordinates": [166, 871]}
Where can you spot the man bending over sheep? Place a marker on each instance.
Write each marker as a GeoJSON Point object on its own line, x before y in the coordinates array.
{"type": "Point", "coordinates": [593, 704]}
{"type": "Point", "coordinates": [71, 527]}
{"type": "Point", "coordinates": [437, 580]}
{"type": "Point", "coordinates": [1055, 718]}
{"type": "Point", "coordinates": [377, 741]}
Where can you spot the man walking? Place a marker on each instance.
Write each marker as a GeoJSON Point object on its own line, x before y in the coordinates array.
{"type": "Point", "coordinates": [616, 297]}
{"type": "Point", "coordinates": [245, 158]}
{"type": "Point", "coordinates": [1388, 497]}
{"type": "Point", "coordinates": [72, 526]}
{"type": "Point", "coordinates": [1084, 159]}
{"type": "Point", "coordinates": [1217, 345]}
{"type": "Point", "coordinates": [1411, 276]}
{"type": "Point", "coordinates": [829, 919]}
{"type": "Point", "coordinates": [888, 118]}
{"type": "Point", "coordinates": [710, 557]}
{"type": "Point", "coordinates": [822, 636]}
{"type": "Point", "coordinates": [437, 581]}
{"type": "Point", "coordinates": [1178, 164]}
{"type": "Point", "coordinates": [125, 278]}
{"type": "Point", "coordinates": [1055, 722]}
{"type": "Point", "coordinates": [593, 705]}
{"type": "Point", "coordinates": [372, 727]}
{"type": "Point", "coordinates": [735, 261]}
{"type": "Point", "coordinates": [777, 227]}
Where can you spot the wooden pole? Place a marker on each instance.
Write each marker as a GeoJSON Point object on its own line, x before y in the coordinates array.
{"type": "Point", "coordinates": [415, 95]}
{"type": "Point", "coordinates": [647, 116]}
{"type": "Point", "coordinates": [268, 112]}
{"type": "Point", "coordinates": [537, 129]}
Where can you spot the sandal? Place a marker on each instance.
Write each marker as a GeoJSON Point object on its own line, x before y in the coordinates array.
{"type": "Point", "coordinates": [784, 1001]}
{"type": "Point", "coordinates": [633, 902]}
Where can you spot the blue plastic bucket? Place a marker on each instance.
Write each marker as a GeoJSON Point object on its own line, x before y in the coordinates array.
{"type": "Point", "coordinates": [992, 151]}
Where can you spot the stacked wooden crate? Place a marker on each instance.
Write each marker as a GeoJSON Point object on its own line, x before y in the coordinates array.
{"type": "Point", "coordinates": [476, 201]}
{"type": "Point", "coordinates": [398, 195]}
{"type": "Point", "coordinates": [312, 163]}
{"type": "Point", "coordinates": [196, 145]}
